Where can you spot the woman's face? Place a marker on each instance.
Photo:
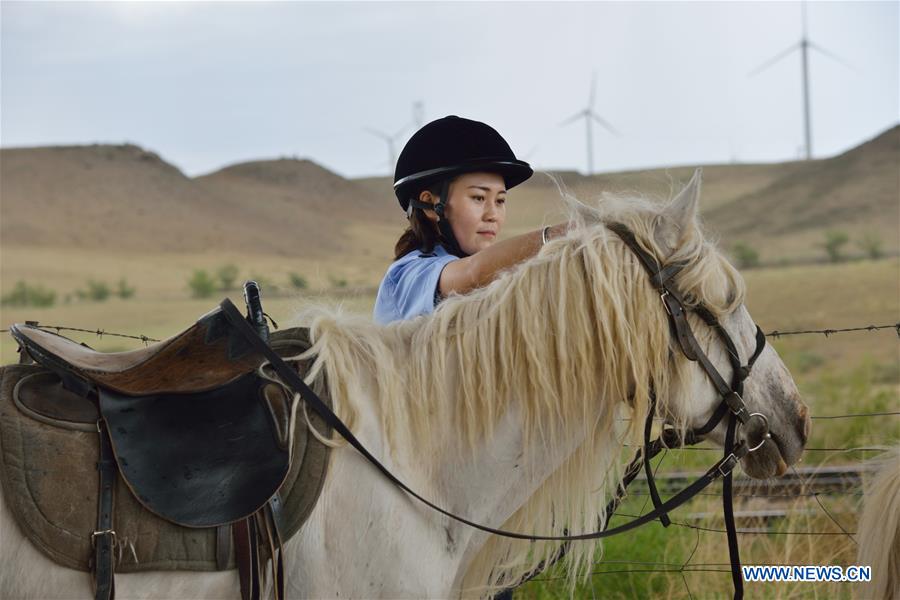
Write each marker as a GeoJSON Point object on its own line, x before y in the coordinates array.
{"type": "Point", "coordinates": [476, 209]}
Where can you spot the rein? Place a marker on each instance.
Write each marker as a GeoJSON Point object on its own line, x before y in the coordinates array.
{"type": "Point", "coordinates": [732, 402]}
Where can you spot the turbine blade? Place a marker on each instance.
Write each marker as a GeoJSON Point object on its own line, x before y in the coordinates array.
{"type": "Point", "coordinates": [605, 124]}
{"type": "Point", "coordinates": [573, 118]}
{"type": "Point", "coordinates": [773, 60]}
{"type": "Point", "coordinates": [593, 89]}
{"type": "Point", "coordinates": [401, 131]}
{"type": "Point", "coordinates": [832, 56]}
{"type": "Point", "coordinates": [377, 133]}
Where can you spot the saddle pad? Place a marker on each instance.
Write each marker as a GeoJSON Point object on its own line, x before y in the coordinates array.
{"type": "Point", "coordinates": [49, 480]}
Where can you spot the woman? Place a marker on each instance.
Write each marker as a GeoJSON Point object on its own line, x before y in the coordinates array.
{"type": "Point", "coordinates": [452, 179]}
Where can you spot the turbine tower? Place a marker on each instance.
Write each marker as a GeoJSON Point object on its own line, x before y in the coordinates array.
{"type": "Point", "coordinates": [390, 139]}
{"type": "Point", "coordinates": [418, 113]}
{"type": "Point", "coordinates": [589, 116]}
{"type": "Point", "coordinates": [804, 45]}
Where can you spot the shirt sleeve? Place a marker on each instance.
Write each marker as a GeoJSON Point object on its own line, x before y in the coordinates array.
{"type": "Point", "coordinates": [416, 288]}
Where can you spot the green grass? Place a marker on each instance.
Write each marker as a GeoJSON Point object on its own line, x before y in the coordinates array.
{"type": "Point", "coordinates": [864, 387]}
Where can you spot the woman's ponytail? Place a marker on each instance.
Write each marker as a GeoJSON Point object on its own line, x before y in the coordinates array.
{"type": "Point", "coordinates": [422, 232]}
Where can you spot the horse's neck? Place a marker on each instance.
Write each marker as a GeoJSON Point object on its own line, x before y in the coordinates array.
{"type": "Point", "coordinates": [492, 483]}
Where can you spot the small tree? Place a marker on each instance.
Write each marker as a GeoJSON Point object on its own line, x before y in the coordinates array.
{"type": "Point", "coordinates": [227, 274]}
{"type": "Point", "coordinates": [835, 240]}
{"type": "Point", "coordinates": [746, 256]}
{"type": "Point", "coordinates": [201, 284]}
{"type": "Point", "coordinates": [265, 284]}
{"type": "Point", "coordinates": [337, 282]}
{"type": "Point", "coordinates": [98, 291]}
{"type": "Point", "coordinates": [870, 243]}
{"type": "Point", "coordinates": [298, 281]}
{"type": "Point", "coordinates": [123, 290]}
{"type": "Point", "coordinates": [29, 295]}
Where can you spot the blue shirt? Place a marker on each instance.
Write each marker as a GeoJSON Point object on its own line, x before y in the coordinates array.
{"type": "Point", "coordinates": [410, 286]}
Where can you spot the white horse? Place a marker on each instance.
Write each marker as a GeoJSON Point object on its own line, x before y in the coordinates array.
{"type": "Point", "coordinates": [509, 406]}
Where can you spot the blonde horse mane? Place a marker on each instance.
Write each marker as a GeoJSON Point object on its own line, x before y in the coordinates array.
{"type": "Point", "coordinates": [878, 534]}
{"type": "Point", "coordinates": [575, 335]}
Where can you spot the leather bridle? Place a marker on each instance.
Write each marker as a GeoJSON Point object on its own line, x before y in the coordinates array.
{"type": "Point", "coordinates": [731, 395]}
{"type": "Point", "coordinates": [732, 404]}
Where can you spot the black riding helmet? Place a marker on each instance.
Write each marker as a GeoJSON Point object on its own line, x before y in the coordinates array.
{"type": "Point", "coordinates": [448, 147]}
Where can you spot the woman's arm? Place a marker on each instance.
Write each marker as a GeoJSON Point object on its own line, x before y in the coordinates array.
{"type": "Point", "coordinates": [478, 270]}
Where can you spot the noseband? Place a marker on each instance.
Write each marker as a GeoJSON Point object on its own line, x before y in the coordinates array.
{"type": "Point", "coordinates": [732, 404]}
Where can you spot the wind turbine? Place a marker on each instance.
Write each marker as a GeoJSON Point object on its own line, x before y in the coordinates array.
{"type": "Point", "coordinates": [804, 45]}
{"type": "Point", "coordinates": [418, 113]}
{"type": "Point", "coordinates": [589, 116]}
{"type": "Point", "coordinates": [390, 139]}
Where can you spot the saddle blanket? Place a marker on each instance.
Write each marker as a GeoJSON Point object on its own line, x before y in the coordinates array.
{"type": "Point", "coordinates": [50, 480]}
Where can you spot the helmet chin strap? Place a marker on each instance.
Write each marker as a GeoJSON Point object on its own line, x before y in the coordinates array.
{"type": "Point", "coordinates": [449, 240]}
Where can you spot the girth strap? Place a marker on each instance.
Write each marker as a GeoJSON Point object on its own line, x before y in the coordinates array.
{"type": "Point", "coordinates": [259, 529]}
{"type": "Point", "coordinates": [104, 538]}
{"type": "Point", "coordinates": [246, 555]}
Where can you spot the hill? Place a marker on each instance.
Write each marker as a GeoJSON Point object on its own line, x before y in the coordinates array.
{"type": "Point", "coordinates": [781, 209]}
{"type": "Point", "coordinates": [857, 192]}
{"type": "Point", "coordinates": [125, 199]}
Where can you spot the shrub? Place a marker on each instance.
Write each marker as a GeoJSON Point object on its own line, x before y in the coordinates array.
{"type": "Point", "coordinates": [201, 284]}
{"type": "Point", "coordinates": [98, 291]}
{"type": "Point", "coordinates": [834, 243]}
{"type": "Point", "coordinates": [227, 274]}
{"type": "Point", "coordinates": [745, 255]}
{"type": "Point", "coordinates": [29, 295]}
{"type": "Point", "coordinates": [123, 290]}
{"type": "Point", "coordinates": [298, 281]}
{"type": "Point", "coordinates": [870, 243]}
{"type": "Point", "coordinates": [337, 282]}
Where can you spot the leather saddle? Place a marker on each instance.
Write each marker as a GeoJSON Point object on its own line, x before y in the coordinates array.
{"type": "Point", "coordinates": [198, 430]}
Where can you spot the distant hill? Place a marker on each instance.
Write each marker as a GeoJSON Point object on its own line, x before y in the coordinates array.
{"type": "Point", "coordinates": [782, 209]}
{"type": "Point", "coordinates": [127, 199]}
{"type": "Point", "coordinates": [300, 207]}
{"type": "Point", "coordinates": [857, 192]}
{"type": "Point", "coordinates": [124, 198]}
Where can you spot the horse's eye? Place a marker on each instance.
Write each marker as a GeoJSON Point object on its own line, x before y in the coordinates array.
{"type": "Point", "coordinates": [730, 298]}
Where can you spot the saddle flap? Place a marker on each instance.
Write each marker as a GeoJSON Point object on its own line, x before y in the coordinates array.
{"type": "Point", "coordinates": [199, 459]}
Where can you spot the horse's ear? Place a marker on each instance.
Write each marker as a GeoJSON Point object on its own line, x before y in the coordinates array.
{"type": "Point", "coordinates": [680, 214]}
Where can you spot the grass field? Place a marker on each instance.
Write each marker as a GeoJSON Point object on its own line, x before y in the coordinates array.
{"type": "Point", "coordinates": [840, 374]}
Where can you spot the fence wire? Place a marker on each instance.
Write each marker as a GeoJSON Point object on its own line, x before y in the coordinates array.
{"type": "Point", "coordinates": [774, 333]}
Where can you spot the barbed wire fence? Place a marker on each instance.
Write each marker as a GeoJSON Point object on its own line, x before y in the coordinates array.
{"type": "Point", "coordinates": [806, 487]}
{"type": "Point", "coordinates": [773, 334]}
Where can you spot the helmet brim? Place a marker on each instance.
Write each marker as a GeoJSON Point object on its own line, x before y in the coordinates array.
{"type": "Point", "coordinates": [513, 172]}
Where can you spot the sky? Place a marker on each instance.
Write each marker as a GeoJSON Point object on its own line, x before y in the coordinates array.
{"type": "Point", "coordinates": [208, 84]}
